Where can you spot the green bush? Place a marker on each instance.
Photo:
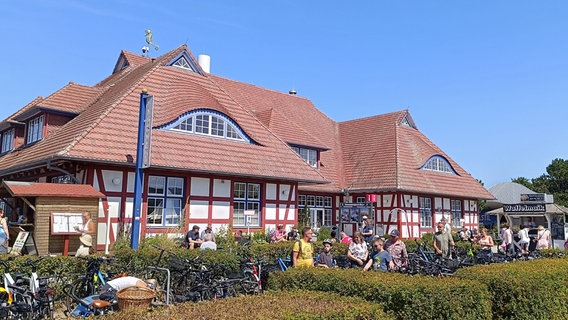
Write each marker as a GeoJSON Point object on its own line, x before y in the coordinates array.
{"type": "Point", "coordinates": [403, 297]}
{"type": "Point", "coordinates": [275, 305]}
{"type": "Point", "coordinates": [535, 289]}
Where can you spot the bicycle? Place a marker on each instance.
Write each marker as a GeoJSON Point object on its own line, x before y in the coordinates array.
{"type": "Point", "coordinates": [87, 285]}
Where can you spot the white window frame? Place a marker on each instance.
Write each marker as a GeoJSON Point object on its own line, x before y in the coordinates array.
{"type": "Point", "coordinates": [165, 198]}
{"type": "Point", "coordinates": [208, 123]}
{"type": "Point", "coordinates": [35, 129]}
{"type": "Point", "coordinates": [425, 212]}
{"type": "Point", "coordinates": [246, 196]}
{"type": "Point", "coordinates": [457, 213]}
{"type": "Point", "coordinates": [8, 140]}
{"type": "Point", "coordinates": [438, 164]}
{"type": "Point", "coordinates": [309, 155]}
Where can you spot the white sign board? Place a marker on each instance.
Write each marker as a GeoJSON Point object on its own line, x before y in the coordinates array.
{"type": "Point", "coordinates": [65, 223]}
{"type": "Point", "coordinates": [250, 212]}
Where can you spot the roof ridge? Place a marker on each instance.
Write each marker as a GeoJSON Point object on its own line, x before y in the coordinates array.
{"type": "Point", "coordinates": [266, 89]}
{"type": "Point", "coordinates": [110, 108]}
{"type": "Point", "coordinates": [384, 115]}
{"type": "Point", "coordinates": [26, 107]}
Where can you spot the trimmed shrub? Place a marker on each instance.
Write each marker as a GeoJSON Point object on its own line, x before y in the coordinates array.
{"type": "Point", "coordinates": [536, 289]}
{"type": "Point", "coordinates": [276, 305]}
{"type": "Point", "coordinates": [403, 297]}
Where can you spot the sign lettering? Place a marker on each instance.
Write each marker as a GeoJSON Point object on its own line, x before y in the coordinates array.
{"type": "Point", "coordinates": [524, 207]}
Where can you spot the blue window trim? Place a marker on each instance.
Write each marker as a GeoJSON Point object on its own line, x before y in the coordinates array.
{"type": "Point", "coordinates": [187, 57]}
{"type": "Point", "coordinates": [204, 111]}
{"type": "Point", "coordinates": [438, 157]}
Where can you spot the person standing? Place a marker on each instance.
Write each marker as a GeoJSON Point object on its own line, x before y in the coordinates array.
{"type": "Point", "coordinates": [524, 239]}
{"type": "Point", "coordinates": [442, 241]}
{"type": "Point", "coordinates": [4, 233]}
{"type": "Point", "coordinates": [543, 238]}
{"type": "Point", "coordinates": [508, 245]}
{"type": "Point", "coordinates": [397, 250]}
{"type": "Point", "coordinates": [367, 230]}
{"type": "Point", "coordinates": [88, 226]}
{"type": "Point", "coordinates": [303, 252]}
{"type": "Point", "coordinates": [85, 248]}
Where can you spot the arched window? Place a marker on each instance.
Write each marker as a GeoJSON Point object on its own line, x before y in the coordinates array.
{"type": "Point", "coordinates": [439, 164]}
{"type": "Point", "coordinates": [208, 122]}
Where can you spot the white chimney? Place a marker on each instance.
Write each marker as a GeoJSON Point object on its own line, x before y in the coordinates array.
{"type": "Point", "coordinates": [205, 62]}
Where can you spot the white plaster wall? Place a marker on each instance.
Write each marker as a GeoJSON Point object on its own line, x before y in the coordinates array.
{"type": "Point", "coordinates": [270, 191]}
{"type": "Point", "coordinates": [270, 211]}
{"type": "Point", "coordinates": [200, 186]}
{"type": "Point", "coordinates": [198, 209]}
{"type": "Point", "coordinates": [284, 192]}
{"type": "Point", "coordinates": [221, 209]}
{"type": "Point", "coordinates": [387, 200]}
{"type": "Point", "coordinates": [282, 212]}
{"type": "Point", "coordinates": [292, 212]}
{"type": "Point", "coordinates": [128, 207]}
{"type": "Point", "coordinates": [112, 180]}
{"type": "Point", "coordinates": [221, 188]}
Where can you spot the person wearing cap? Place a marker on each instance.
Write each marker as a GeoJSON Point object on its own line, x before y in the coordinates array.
{"type": "Point", "coordinates": [86, 244]}
{"type": "Point", "coordinates": [325, 258]}
{"type": "Point", "coordinates": [367, 230]}
{"type": "Point", "coordinates": [397, 250]}
{"type": "Point", "coordinates": [192, 239]}
{"type": "Point", "coordinates": [278, 235]}
{"type": "Point", "coordinates": [207, 230]}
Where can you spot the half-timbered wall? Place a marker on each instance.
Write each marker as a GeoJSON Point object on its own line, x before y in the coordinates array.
{"type": "Point", "coordinates": [208, 200]}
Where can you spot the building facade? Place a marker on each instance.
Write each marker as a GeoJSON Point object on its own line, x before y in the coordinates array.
{"type": "Point", "coordinates": [226, 153]}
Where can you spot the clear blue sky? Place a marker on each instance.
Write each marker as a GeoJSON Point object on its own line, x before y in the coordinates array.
{"type": "Point", "coordinates": [485, 80]}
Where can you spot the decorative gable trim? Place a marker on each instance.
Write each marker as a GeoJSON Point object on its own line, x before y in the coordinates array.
{"type": "Point", "coordinates": [407, 121]}
{"type": "Point", "coordinates": [121, 64]}
{"type": "Point", "coordinates": [184, 61]}
{"type": "Point", "coordinates": [438, 163]}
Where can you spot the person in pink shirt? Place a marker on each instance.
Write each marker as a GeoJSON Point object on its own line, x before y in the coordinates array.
{"type": "Point", "coordinates": [279, 234]}
{"type": "Point", "coordinates": [345, 238]}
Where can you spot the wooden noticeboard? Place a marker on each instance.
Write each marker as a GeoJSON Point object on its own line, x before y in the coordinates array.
{"type": "Point", "coordinates": [64, 223]}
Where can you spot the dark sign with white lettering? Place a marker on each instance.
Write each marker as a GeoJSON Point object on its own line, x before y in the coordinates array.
{"type": "Point", "coordinates": [524, 207]}
{"type": "Point", "coordinates": [532, 197]}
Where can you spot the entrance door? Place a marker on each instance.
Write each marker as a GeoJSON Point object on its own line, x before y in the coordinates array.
{"type": "Point", "coordinates": [320, 217]}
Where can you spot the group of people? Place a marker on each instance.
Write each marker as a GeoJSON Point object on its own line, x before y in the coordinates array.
{"type": "Point", "coordinates": [204, 240]}
{"type": "Point", "coordinates": [280, 235]}
{"type": "Point", "coordinates": [383, 255]}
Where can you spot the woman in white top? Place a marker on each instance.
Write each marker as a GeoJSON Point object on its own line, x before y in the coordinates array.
{"type": "Point", "coordinates": [524, 239]}
{"type": "Point", "coordinates": [358, 252]}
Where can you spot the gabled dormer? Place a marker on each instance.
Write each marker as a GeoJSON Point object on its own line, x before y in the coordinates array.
{"type": "Point", "coordinates": [310, 154]}
{"type": "Point", "coordinates": [185, 61]}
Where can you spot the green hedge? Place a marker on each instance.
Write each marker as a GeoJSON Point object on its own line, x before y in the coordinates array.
{"type": "Point", "coordinates": [535, 289]}
{"type": "Point", "coordinates": [403, 297]}
{"type": "Point", "coordinates": [276, 305]}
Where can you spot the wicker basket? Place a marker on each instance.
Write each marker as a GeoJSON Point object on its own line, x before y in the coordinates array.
{"type": "Point", "coordinates": [135, 297]}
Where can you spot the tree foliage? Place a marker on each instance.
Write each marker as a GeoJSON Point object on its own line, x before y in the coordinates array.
{"type": "Point", "coordinates": [554, 181]}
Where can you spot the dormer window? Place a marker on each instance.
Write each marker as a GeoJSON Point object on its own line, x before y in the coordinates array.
{"type": "Point", "coordinates": [208, 122]}
{"type": "Point", "coordinates": [439, 164]}
{"type": "Point", "coordinates": [35, 130]}
{"type": "Point", "coordinates": [309, 155]}
{"type": "Point", "coordinates": [7, 140]}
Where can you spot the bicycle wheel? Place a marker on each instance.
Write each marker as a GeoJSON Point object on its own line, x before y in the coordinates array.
{"type": "Point", "coordinates": [251, 283]}
{"type": "Point", "coordinates": [79, 289]}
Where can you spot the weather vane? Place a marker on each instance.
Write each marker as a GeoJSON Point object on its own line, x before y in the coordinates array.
{"type": "Point", "coordinates": [149, 41]}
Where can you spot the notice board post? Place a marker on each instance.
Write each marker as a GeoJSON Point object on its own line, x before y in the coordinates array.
{"type": "Point", "coordinates": [66, 224]}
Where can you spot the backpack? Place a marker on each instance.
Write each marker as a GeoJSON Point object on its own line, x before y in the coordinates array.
{"type": "Point", "coordinates": [300, 249]}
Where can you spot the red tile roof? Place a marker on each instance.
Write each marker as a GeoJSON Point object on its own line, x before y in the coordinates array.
{"type": "Point", "coordinates": [382, 154]}
{"type": "Point", "coordinates": [36, 189]}
{"type": "Point", "coordinates": [367, 155]}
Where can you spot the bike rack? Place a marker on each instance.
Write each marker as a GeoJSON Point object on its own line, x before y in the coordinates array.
{"type": "Point", "coordinates": [168, 274]}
